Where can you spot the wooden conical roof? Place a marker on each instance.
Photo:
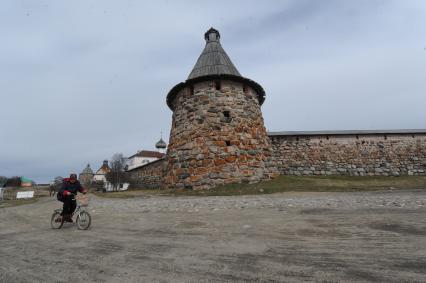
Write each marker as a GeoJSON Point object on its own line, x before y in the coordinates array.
{"type": "Point", "coordinates": [214, 63]}
{"type": "Point", "coordinates": [213, 60]}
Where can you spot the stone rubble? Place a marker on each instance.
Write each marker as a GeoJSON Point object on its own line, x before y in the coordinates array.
{"type": "Point", "coordinates": [280, 202]}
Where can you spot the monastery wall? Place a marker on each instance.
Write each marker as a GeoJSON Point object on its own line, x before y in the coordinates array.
{"type": "Point", "coordinates": [352, 154]}
{"type": "Point", "coordinates": [149, 176]}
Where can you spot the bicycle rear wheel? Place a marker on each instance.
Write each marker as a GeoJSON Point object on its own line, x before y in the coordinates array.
{"type": "Point", "coordinates": [83, 220]}
{"type": "Point", "coordinates": [57, 220]}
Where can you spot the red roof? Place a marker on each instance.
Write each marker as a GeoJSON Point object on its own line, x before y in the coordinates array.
{"type": "Point", "coordinates": [148, 153]}
{"type": "Point", "coordinates": [104, 169]}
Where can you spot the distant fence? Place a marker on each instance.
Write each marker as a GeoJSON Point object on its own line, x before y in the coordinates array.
{"type": "Point", "coordinates": [24, 195]}
{"type": "Point", "coordinates": [11, 193]}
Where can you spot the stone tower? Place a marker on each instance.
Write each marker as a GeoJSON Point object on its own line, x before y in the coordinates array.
{"type": "Point", "coordinates": [217, 135]}
{"type": "Point", "coordinates": [86, 176]}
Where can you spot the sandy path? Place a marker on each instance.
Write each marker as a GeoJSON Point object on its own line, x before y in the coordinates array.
{"type": "Point", "coordinates": [289, 237]}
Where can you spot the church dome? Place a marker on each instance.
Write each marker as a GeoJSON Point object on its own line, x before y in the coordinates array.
{"type": "Point", "coordinates": [87, 170]}
{"type": "Point", "coordinates": [161, 144]}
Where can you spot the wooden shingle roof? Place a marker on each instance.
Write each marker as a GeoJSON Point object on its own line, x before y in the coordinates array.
{"type": "Point", "coordinates": [213, 60]}
{"type": "Point", "coordinates": [213, 64]}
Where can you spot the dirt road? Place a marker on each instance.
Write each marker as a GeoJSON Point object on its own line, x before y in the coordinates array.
{"type": "Point", "coordinates": [288, 237]}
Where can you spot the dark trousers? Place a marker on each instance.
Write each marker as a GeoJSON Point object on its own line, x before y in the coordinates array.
{"type": "Point", "coordinates": [69, 205]}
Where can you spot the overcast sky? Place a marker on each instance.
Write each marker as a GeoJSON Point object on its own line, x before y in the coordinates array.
{"type": "Point", "coordinates": [82, 80]}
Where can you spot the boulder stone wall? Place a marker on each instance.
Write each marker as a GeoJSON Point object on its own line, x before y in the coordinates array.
{"type": "Point", "coordinates": [149, 176]}
{"type": "Point", "coordinates": [217, 137]}
{"type": "Point", "coordinates": [354, 155]}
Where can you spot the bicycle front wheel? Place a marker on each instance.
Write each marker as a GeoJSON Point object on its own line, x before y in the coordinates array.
{"type": "Point", "coordinates": [56, 221]}
{"type": "Point", "coordinates": [83, 220]}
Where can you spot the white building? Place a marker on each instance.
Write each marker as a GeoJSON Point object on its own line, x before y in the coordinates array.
{"type": "Point", "coordinates": [143, 157]}
{"type": "Point", "coordinates": [100, 174]}
{"type": "Point", "coordinates": [121, 187]}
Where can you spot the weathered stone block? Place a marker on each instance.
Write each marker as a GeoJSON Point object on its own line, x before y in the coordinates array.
{"type": "Point", "coordinates": [219, 162]}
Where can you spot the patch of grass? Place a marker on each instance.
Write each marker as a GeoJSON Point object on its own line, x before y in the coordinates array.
{"type": "Point", "coordinates": [290, 184]}
{"type": "Point", "coordinates": [16, 202]}
{"type": "Point", "coordinates": [318, 184]}
{"type": "Point", "coordinates": [128, 193]}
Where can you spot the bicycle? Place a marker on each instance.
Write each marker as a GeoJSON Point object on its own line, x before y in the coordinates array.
{"type": "Point", "coordinates": [83, 219]}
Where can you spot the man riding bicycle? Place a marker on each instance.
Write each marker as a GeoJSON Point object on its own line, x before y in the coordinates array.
{"type": "Point", "coordinates": [67, 192]}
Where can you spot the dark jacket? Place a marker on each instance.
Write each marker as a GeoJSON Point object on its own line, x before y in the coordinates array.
{"type": "Point", "coordinates": [70, 187]}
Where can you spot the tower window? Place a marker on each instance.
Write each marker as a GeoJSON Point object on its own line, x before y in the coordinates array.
{"type": "Point", "coordinates": [228, 143]}
{"type": "Point", "coordinates": [217, 85]}
{"type": "Point", "coordinates": [245, 89]}
{"type": "Point", "coordinates": [191, 90]}
{"type": "Point", "coordinates": [227, 116]}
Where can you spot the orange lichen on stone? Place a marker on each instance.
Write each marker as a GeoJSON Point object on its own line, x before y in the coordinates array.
{"type": "Point", "coordinates": [230, 159]}
{"type": "Point", "coordinates": [219, 162]}
{"type": "Point", "coordinates": [219, 143]}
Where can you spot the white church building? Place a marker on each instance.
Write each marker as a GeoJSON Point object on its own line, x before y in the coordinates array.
{"type": "Point", "coordinates": [143, 157]}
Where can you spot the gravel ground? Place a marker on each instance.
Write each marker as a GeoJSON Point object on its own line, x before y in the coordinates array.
{"type": "Point", "coordinates": [288, 237]}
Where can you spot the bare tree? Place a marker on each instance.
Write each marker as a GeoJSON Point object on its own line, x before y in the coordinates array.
{"type": "Point", "coordinates": [3, 180]}
{"type": "Point", "coordinates": [58, 180]}
{"type": "Point", "coordinates": [14, 181]}
{"type": "Point", "coordinates": [117, 175]}
{"type": "Point", "coordinates": [55, 185]}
